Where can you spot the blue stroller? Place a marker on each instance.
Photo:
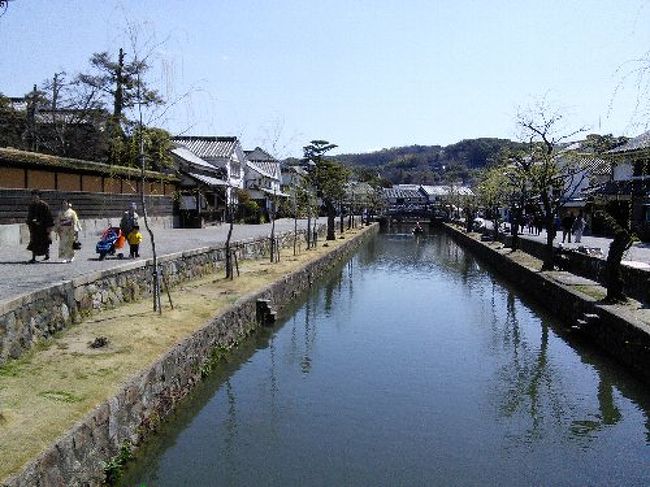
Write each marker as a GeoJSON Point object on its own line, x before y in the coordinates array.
{"type": "Point", "coordinates": [112, 240]}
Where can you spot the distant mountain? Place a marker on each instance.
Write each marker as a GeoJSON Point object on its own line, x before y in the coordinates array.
{"type": "Point", "coordinates": [432, 164]}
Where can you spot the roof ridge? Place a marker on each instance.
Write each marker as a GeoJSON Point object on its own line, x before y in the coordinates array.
{"type": "Point", "coordinates": [212, 138]}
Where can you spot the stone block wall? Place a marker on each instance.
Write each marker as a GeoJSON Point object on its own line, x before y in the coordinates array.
{"type": "Point", "coordinates": [37, 316]}
{"type": "Point", "coordinates": [78, 457]}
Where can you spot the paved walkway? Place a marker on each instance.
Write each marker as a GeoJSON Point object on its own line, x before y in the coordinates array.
{"type": "Point", "coordinates": [638, 255]}
{"type": "Point", "coordinates": [18, 277]}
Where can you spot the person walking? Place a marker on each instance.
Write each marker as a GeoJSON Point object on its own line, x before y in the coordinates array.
{"type": "Point", "coordinates": [129, 220]}
{"type": "Point", "coordinates": [67, 228]}
{"type": "Point", "coordinates": [567, 225]}
{"type": "Point", "coordinates": [40, 223]}
{"type": "Point", "coordinates": [579, 228]}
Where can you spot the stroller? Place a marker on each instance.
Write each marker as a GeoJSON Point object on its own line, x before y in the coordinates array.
{"type": "Point", "coordinates": [112, 240]}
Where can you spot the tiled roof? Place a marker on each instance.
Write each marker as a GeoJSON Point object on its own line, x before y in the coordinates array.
{"type": "Point", "coordinates": [259, 154]}
{"type": "Point", "coordinates": [409, 187]}
{"type": "Point", "coordinates": [639, 142]}
{"type": "Point", "coordinates": [208, 147]}
{"type": "Point", "coordinates": [402, 193]}
{"type": "Point", "coordinates": [266, 168]}
{"type": "Point", "coordinates": [445, 190]}
{"type": "Point", "coordinates": [612, 188]}
{"type": "Point", "coordinates": [189, 156]}
{"type": "Point", "coordinates": [594, 165]}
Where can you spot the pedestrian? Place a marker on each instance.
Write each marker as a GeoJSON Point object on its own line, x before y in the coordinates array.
{"type": "Point", "coordinates": [40, 223]}
{"type": "Point", "coordinates": [129, 220]}
{"type": "Point", "coordinates": [579, 227]}
{"type": "Point", "coordinates": [567, 224]}
{"type": "Point", "coordinates": [67, 228]}
{"type": "Point", "coordinates": [539, 223]}
{"type": "Point", "coordinates": [135, 239]}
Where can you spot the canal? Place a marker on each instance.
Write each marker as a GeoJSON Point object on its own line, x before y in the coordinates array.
{"type": "Point", "coordinates": [413, 364]}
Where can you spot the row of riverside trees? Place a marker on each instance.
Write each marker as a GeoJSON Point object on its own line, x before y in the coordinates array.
{"type": "Point", "coordinates": [541, 177]}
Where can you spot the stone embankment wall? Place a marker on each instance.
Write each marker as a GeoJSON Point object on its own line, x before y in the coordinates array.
{"type": "Point", "coordinates": [637, 281]}
{"type": "Point", "coordinates": [617, 332]}
{"type": "Point", "coordinates": [39, 315]}
{"type": "Point", "coordinates": [77, 457]}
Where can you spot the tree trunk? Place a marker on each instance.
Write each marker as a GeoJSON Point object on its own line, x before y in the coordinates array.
{"type": "Point", "coordinates": [549, 221]}
{"type": "Point", "coordinates": [229, 266]}
{"type": "Point", "coordinates": [342, 220]}
{"type": "Point", "coordinates": [469, 220]}
{"type": "Point", "coordinates": [621, 242]}
{"type": "Point", "coordinates": [309, 230]}
{"type": "Point", "coordinates": [331, 220]}
{"type": "Point", "coordinates": [514, 227]}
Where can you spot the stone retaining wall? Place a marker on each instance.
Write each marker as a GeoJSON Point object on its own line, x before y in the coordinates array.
{"type": "Point", "coordinates": [76, 459]}
{"type": "Point", "coordinates": [36, 316]}
{"type": "Point", "coordinates": [637, 281]}
{"type": "Point", "coordinates": [618, 333]}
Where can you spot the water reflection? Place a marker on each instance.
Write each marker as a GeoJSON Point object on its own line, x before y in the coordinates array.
{"type": "Point", "coordinates": [410, 365]}
{"type": "Point", "coordinates": [535, 388]}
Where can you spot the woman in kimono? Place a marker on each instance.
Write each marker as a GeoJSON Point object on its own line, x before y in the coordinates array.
{"type": "Point", "coordinates": [40, 223]}
{"type": "Point", "coordinates": [67, 227]}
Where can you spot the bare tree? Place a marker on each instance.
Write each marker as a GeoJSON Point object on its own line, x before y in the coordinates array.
{"type": "Point", "coordinates": [554, 179]}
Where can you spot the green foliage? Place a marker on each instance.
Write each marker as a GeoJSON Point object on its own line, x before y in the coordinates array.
{"type": "Point", "coordinates": [602, 143]}
{"type": "Point", "coordinates": [114, 468]}
{"type": "Point", "coordinates": [248, 210]}
{"type": "Point", "coordinates": [431, 164]}
{"type": "Point", "coordinates": [327, 176]}
{"type": "Point", "coordinates": [12, 125]}
{"type": "Point", "coordinates": [157, 144]}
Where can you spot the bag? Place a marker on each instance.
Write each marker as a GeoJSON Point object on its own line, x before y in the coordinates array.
{"type": "Point", "coordinates": [76, 245]}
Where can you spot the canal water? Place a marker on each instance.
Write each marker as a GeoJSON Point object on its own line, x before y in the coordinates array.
{"type": "Point", "coordinates": [410, 365]}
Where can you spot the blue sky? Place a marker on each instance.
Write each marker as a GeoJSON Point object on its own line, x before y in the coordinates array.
{"type": "Point", "coordinates": [362, 74]}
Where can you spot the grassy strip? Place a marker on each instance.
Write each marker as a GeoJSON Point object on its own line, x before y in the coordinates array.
{"type": "Point", "coordinates": [45, 392]}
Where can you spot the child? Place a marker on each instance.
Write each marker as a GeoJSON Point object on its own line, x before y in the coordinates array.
{"type": "Point", "coordinates": [134, 238]}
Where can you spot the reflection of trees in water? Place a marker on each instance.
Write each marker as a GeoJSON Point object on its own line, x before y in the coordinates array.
{"type": "Point", "coordinates": [368, 253]}
{"type": "Point", "coordinates": [305, 362]}
{"type": "Point", "coordinates": [350, 269]}
{"type": "Point", "coordinates": [333, 283]}
{"type": "Point", "coordinates": [230, 427]}
{"type": "Point", "coordinates": [530, 386]}
{"type": "Point", "coordinates": [273, 383]}
{"type": "Point", "coordinates": [609, 414]}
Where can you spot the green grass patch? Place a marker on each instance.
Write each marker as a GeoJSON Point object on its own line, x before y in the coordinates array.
{"type": "Point", "coordinates": [595, 292]}
{"type": "Point", "coordinates": [61, 396]}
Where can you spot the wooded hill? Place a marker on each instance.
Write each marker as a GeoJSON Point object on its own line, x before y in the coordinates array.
{"type": "Point", "coordinates": [421, 164]}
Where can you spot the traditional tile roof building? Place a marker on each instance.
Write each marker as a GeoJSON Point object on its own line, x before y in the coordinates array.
{"type": "Point", "coordinates": [221, 152]}
{"type": "Point", "coordinates": [631, 181]}
{"type": "Point", "coordinates": [263, 177]}
{"type": "Point", "coordinates": [211, 168]}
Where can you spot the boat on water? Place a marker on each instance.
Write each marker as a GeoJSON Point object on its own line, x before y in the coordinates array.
{"type": "Point", "coordinates": [417, 230]}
